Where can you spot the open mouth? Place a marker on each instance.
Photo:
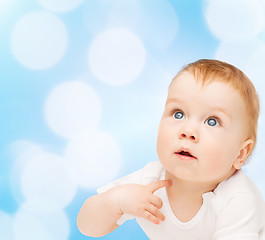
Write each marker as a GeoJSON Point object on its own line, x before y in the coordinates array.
{"type": "Point", "coordinates": [185, 155]}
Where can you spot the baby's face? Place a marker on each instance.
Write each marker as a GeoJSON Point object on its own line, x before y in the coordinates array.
{"type": "Point", "coordinates": [201, 131]}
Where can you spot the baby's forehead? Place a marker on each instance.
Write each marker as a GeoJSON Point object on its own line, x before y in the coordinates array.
{"type": "Point", "coordinates": [214, 91]}
{"type": "Point", "coordinates": [205, 82]}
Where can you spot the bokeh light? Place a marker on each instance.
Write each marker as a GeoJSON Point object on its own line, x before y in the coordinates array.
{"type": "Point", "coordinates": [99, 15]}
{"type": "Point", "coordinates": [39, 40]}
{"type": "Point", "coordinates": [45, 184]}
{"type": "Point", "coordinates": [60, 5]}
{"type": "Point", "coordinates": [92, 158]}
{"type": "Point", "coordinates": [46, 227]}
{"type": "Point", "coordinates": [158, 24]}
{"type": "Point", "coordinates": [71, 107]}
{"type": "Point", "coordinates": [255, 70]}
{"type": "Point", "coordinates": [238, 53]}
{"type": "Point", "coordinates": [42, 185]}
{"type": "Point", "coordinates": [116, 56]}
{"type": "Point", "coordinates": [235, 21]}
{"type": "Point", "coordinates": [23, 151]}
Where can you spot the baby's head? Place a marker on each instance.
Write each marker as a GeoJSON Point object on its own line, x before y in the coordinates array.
{"type": "Point", "coordinates": [209, 125]}
{"type": "Point", "coordinates": [207, 71]}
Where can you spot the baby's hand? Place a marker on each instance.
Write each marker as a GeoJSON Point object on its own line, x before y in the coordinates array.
{"type": "Point", "coordinates": [139, 200]}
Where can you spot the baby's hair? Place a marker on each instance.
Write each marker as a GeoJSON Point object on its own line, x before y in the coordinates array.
{"type": "Point", "coordinates": [209, 70]}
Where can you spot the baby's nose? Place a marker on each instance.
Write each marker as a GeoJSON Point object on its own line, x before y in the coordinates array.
{"type": "Point", "coordinates": [191, 137]}
{"type": "Point", "coordinates": [190, 134]}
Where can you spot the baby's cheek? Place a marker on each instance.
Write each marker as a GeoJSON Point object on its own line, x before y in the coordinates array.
{"type": "Point", "coordinates": [219, 164]}
{"type": "Point", "coordinates": [164, 146]}
{"type": "Point", "coordinates": [214, 159]}
{"type": "Point", "coordinates": [163, 139]}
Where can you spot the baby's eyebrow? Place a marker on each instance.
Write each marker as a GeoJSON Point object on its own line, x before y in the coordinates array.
{"type": "Point", "coordinates": [221, 110]}
{"type": "Point", "coordinates": [212, 108]}
{"type": "Point", "coordinates": [169, 100]}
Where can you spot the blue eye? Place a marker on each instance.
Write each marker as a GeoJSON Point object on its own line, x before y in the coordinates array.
{"type": "Point", "coordinates": [178, 115]}
{"type": "Point", "coordinates": [212, 122]}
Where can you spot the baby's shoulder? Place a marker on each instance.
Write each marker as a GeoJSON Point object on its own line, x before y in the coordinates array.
{"type": "Point", "coordinates": [240, 191]}
{"type": "Point", "coordinates": [239, 182]}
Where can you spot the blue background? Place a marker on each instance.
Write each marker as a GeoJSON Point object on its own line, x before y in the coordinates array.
{"type": "Point", "coordinates": [49, 47]}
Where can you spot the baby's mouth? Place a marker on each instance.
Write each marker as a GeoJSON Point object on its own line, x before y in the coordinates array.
{"type": "Point", "coordinates": [185, 154]}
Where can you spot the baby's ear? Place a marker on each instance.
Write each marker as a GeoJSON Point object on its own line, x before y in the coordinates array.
{"type": "Point", "coordinates": [246, 148]}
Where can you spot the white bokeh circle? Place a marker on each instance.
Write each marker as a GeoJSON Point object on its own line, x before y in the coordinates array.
{"type": "Point", "coordinates": [39, 40]}
{"type": "Point", "coordinates": [116, 56]}
{"type": "Point", "coordinates": [101, 14]}
{"type": "Point", "coordinates": [42, 227]}
{"type": "Point", "coordinates": [60, 5]}
{"type": "Point", "coordinates": [38, 179]}
{"type": "Point", "coordinates": [92, 159]}
{"type": "Point", "coordinates": [239, 53]}
{"type": "Point", "coordinates": [236, 20]}
{"type": "Point", "coordinates": [155, 24]}
{"type": "Point", "coordinates": [255, 71]}
{"type": "Point", "coordinates": [45, 184]}
{"type": "Point", "coordinates": [23, 151]}
{"type": "Point", "coordinates": [71, 107]}
{"type": "Point", "coordinates": [158, 24]}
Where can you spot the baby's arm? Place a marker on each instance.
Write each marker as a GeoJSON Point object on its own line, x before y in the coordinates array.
{"type": "Point", "coordinates": [99, 214]}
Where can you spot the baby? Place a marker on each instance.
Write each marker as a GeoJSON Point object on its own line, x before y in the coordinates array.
{"type": "Point", "coordinates": [197, 191]}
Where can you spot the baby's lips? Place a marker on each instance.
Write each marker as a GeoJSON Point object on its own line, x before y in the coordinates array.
{"type": "Point", "coordinates": [185, 152]}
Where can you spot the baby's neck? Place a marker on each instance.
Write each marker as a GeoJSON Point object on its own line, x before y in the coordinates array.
{"type": "Point", "coordinates": [187, 188]}
{"type": "Point", "coordinates": [185, 197]}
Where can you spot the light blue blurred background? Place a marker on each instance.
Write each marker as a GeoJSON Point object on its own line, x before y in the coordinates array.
{"type": "Point", "coordinates": [82, 89]}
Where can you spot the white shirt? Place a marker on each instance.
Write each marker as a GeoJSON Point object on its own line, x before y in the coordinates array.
{"type": "Point", "coordinates": [234, 210]}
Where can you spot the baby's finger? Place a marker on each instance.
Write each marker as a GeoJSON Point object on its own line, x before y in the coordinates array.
{"type": "Point", "coordinates": [154, 186]}
{"type": "Point", "coordinates": [155, 212]}
{"type": "Point", "coordinates": [150, 217]}
{"type": "Point", "coordinates": [156, 201]}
